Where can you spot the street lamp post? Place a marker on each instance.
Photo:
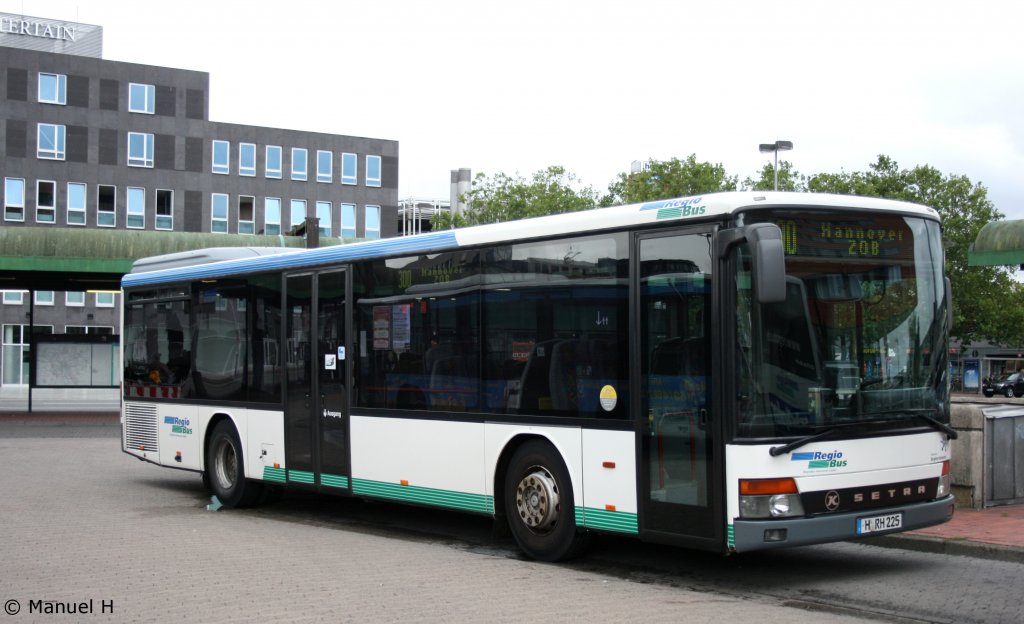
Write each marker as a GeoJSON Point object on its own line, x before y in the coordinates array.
{"type": "Point", "coordinates": [776, 147]}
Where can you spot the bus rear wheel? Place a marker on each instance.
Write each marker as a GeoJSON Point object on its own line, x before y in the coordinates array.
{"type": "Point", "coordinates": [225, 468]}
{"type": "Point", "coordinates": [539, 503]}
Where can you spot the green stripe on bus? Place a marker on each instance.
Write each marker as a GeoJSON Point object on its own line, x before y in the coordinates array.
{"type": "Point", "coordinates": [300, 476]}
{"type": "Point", "coordinates": [424, 496]}
{"type": "Point", "coordinates": [274, 474]}
{"type": "Point", "coordinates": [334, 481]}
{"type": "Point", "coordinates": [619, 521]}
{"type": "Point", "coordinates": [731, 532]}
{"type": "Point", "coordinates": [670, 213]}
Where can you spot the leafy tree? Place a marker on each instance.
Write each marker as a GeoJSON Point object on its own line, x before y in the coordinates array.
{"type": "Point", "coordinates": [986, 300]}
{"type": "Point", "coordinates": [505, 198]}
{"type": "Point", "coordinates": [669, 178]}
{"type": "Point", "coordinates": [789, 179]}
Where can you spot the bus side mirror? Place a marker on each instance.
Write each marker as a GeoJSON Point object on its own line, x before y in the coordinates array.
{"type": "Point", "coordinates": [769, 262]}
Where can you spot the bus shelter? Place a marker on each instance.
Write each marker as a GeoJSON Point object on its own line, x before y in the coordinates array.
{"type": "Point", "coordinates": [999, 243]}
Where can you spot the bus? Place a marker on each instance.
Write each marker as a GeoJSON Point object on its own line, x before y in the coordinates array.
{"type": "Point", "coordinates": [729, 372]}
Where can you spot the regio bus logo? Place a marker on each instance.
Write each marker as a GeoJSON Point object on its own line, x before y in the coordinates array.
{"type": "Point", "coordinates": [818, 459]}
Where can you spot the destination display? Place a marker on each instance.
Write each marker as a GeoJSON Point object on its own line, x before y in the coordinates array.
{"type": "Point", "coordinates": [842, 236]}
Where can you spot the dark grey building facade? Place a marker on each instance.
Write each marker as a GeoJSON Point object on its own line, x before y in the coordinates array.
{"type": "Point", "coordinates": [94, 143]}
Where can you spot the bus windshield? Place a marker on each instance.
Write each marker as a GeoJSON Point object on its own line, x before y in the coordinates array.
{"type": "Point", "coordinates": [861, 336]}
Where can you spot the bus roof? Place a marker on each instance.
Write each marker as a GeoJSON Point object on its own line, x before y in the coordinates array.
{"type": "Point", "coordinates": [684, 209]}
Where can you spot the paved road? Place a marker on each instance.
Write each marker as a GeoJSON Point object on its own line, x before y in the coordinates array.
{"type": "Point", "coordinates": [84, 522]}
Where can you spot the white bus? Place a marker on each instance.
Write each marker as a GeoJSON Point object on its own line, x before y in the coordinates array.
{"type": "Point", "coordinates": [730, 372]}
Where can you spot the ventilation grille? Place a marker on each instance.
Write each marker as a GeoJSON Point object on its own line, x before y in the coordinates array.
{"type": "Point", "coordinates": [140, 427]}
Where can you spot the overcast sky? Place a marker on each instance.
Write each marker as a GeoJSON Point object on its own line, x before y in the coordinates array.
{"type": "Point", "coordinates": [593, 85]}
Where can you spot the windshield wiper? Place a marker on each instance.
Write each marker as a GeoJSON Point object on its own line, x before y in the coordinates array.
{"type": "Point", "coordinates": [775, 451]}
{"type": "Point", "coordinates": [937, 425]}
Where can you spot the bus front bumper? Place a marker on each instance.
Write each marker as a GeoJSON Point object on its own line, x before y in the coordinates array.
{"type": "Point", "coordinates": [751, 535]}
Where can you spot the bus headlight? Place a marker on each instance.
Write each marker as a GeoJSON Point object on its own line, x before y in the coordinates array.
{"type": "Point", "coordinates": [769, 498]}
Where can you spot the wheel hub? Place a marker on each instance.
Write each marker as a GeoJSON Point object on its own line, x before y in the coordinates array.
{"type": "Point", "coordinates": [537, 500]}
{"type": "Point", "coordinates": [226, 468]}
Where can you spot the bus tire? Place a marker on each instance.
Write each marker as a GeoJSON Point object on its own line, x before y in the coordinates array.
{"type": "Point", "coordinates": [539, 503]}
{"type": "Point", "coordinates": [226, 468]}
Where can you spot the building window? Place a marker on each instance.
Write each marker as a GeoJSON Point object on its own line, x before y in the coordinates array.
{"type": "Point", "coordinates": [164, 209]}
{"type": "Point", "coordinates": [14, 297]}
{"type": "Point", "coordinates": [44, 297]}
{"type": "Point", "coordinates": [373, 171]}
{"type": "Point", "coordinates": [273, 161]}
{"type": "Point", "coordinates": [246, 214]}
{"type": "Point", "coordinates": [105, 205]}
{"type": "Point", "coordinates": [78, 330]}
{"type": "Point", "coordinates": [50, 141]}
{"type": "Point", "coordinates": [299, 163]}
{"type": "Point", "coordinates": [53, 88]}
{"type": "Point", "coordinates": [348, 220]}
{"type": "Point", "coordinates": [272, 216]}
{"type": "Point", "coordinates": [246, 159]}
{"type": "Point", "coordinates": [219, 213]}
{"type": "Point", "coordinates": [46, 201]}
{"type": "Point", "coordinates": [136, 219]}
{"type": "Point", "coordinates": [141, 98]}
{"type": "Point", "coordinates": [323, 213]}
{"type": "Point", "coordinates": [349, 175]}
{"type": "Point", "coordinates": [14, 199]}
{"type": "Point", "coordinates": [372, 222]}
{"type": "Point", "coordinates": [74, 299]}
{"type": "Point", "coordinates": [15, 357]}
{"type": "Point", "coordinates": [105, 299]}
{"type": "Point", "coordinates": [140, 149]}
{"type": "Point", "coordinates": [76, 203]}
{"type": "Point", "coordinates": [298, 212]}
{"type": "Point", "coordinates": [324, 166]}
{"type": "Point", "coordinates": [221, 157]}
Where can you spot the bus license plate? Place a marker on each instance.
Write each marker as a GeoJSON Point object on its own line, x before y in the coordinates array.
{"type": "Point", "coordinates": [876, 524]}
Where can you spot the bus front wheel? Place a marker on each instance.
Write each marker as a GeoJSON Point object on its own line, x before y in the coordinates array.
{"type": "Point", "coordinates": [225, 468]}
{"type": "Point", "coordinates": [539, 503]}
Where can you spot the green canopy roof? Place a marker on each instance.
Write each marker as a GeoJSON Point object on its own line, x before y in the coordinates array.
{"type": "Point", "coordinates": [998, 243]}
{"type": "Point", "coordinates": [42, 258]}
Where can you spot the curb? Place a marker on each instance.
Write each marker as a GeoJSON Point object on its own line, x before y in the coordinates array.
{"type": "Point", "coordinates": [945, 546]}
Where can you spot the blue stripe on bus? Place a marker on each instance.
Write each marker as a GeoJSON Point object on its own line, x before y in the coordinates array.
{"type": "Point", "coordinates": [433, 241]}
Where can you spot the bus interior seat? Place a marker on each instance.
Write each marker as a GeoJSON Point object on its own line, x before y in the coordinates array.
{"type": "Point", "coordinates": [563, 374]}
{"type": "Point", "coordinates": [535, 385]}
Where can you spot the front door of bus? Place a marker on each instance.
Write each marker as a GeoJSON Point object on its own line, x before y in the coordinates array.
{"type": "Point", "coordinates": [316, 408]}
{"type": "Point", "coordinates": [677, 424]}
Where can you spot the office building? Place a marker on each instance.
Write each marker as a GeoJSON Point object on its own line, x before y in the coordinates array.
{"type": "Point", "coordinates": [93, 143]}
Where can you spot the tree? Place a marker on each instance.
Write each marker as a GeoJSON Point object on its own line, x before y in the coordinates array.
{"type": "Point", "coordinates": [986, 300]}
{"type": "Point", "coordinates": [789, 179]}
{"type": "Point", "coordinates": [505, 198]}
{"type": "Point", "coordinates": [669, 178]}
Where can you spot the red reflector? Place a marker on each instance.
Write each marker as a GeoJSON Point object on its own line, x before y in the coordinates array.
{"type": "Point", "coordinates": [608, 464]}
{"type": "Point", "coordinates": [609, 507]}
{"type": "Point", "coordinates": [768, 486]}
{"type": "Point", "coordinates": [945, 468]}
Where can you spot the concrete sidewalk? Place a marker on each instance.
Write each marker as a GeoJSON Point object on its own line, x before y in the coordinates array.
{"type": "Point", "coordinates": [993, 533]}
